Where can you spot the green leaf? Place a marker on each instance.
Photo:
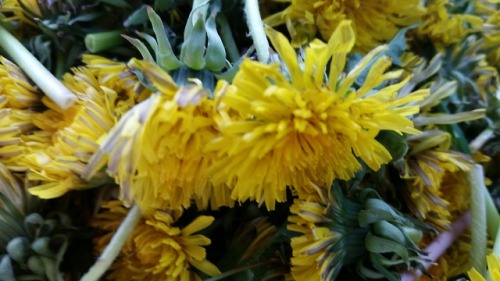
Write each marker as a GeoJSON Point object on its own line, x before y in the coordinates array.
{"type": "Point", "coordinates": [18, 249]}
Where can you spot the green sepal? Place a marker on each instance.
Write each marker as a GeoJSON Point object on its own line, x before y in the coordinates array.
{"type": "Point", "coordinates": [32, 223]}
{"type": "Point", "coordinates": [387, 230]}
{"type": "Point", "coordinates": [18, 249]}
{"type": "Point", "coordinates": [215, 57]}
{"type": "Point", "coordinates": [140, 47]}
{"type": "Point", "coordinates": [6, 269]}
{"type": "Point", "coordinates": [193, 48]}
{"type": "Point", "coordinates": [35, 264]}
{"type": "Point", "coordinates": [165, 57]}
{"type": "Point", "coordinates": [376, 244]}
{"type": "Point", "coordinates": [376, 210]}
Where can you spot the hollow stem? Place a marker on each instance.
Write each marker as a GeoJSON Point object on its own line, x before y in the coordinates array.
{"type": "Point", "coordinates": [96, 42]}
{"type": "Point", "coordinates": [256, 27]}
{"type": "Point", "coordinates": [115, 245]}
{"type": "Point", "coordinates": [478, 224]}
{"type": "Point", "coordinates": [45, 80]}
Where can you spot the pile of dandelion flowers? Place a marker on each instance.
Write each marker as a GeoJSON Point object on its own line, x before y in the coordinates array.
{"type": "Point", "coordinates": [300, 131]}
{"type": "Point", "coordinates": [156, 250]}
{"type": "Point", "coordinates": [172, 128]}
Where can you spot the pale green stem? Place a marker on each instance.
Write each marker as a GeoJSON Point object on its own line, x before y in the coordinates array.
{"type": "Point", "coordinates": [96, 42]}
{"type": "Point", "coordinates": [47, 82]}
{"type": "Point", "coordinates": [481, 139]}
{"type": "Point", "coordinates": [478, 224]}
{"type": "Point", "coordinates": [115, 245]}
{"type": "Point", "coordinates": [256, 28]}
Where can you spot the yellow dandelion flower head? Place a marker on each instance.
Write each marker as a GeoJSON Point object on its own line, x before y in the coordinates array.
{"type": "Point", "coordinates": [172, 128]}
{"type": "Point", "coordinates": [493, 269]}
{"type": "Point", "coordinates": [156, 249]}
{"type": "Point", "coordinates": [18, 97]}
{"type": "Point", "coordinates": [313, 258]}
{"type": "Point", "coordinates": [444, 28]}
{"type": "Point", "coordinates": [300, 130]}
{"type": "Point", "coordinates": [21, 11]}
{"type": "Point", "coordinates": [118, 76]}
{"type": "Point", "coordinates": [437, 186]}
{"type": "Point", "coordinates": [74, 134]}
{"type": "Point", "coordinates": [375, 22]}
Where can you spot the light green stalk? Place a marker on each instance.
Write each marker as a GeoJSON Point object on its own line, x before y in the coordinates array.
{"type": "Point", "coordinates": [478, 223]}
{"type": "Point", "coordinates": [115, 245]}
{"type": "Point", "coordinates": [45, 80]}
{"type": "Point", "coordinates": [256, 27]}
{"type": "Point", "coordinates": [96, 42]}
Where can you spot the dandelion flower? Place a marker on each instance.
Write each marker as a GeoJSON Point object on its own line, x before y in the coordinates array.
{"type": "Point", "coordinates": [74, 134]}
{"type": "Point", "coordinates": [437, 186]}
{"type": "Point", "coordinates": [156, 249]}
{"type": "Point", "coordinates": [374, 22]}
{"type": "Point", "coordinates": [443, 28]}
{"type": "Point", "coordinates": [303, 131]}
{"type": "Point", "coordinates": [171, 128]}
{"type": "Point", "coordinates": [18, 97]}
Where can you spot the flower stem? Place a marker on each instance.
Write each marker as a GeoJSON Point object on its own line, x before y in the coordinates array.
{"type": "Point", "coordinates": [115, 245]}
{"type": "Point", "coordinates": [256, 27]}
{"type": "Point", "coordinates": [47, 82]}
{"type": "Point", "coordinates": [478, 213]}
{"type": "Point", "coordinates": [437, 247]}
{"type": "Point", "coordinates": [96, 42]}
